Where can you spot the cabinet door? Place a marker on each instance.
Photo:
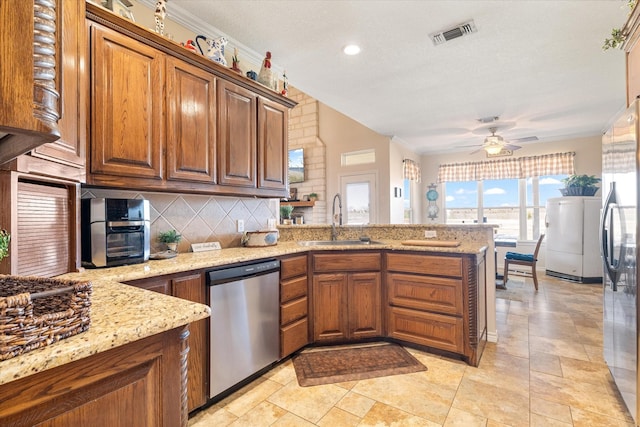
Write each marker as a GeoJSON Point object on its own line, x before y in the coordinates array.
{"type": "Point", "coordinates": [191, 130]}
{"type": "Point", "coordinates": [236, 135]}
{"type": "Point", "coordinates": [330, 307]}
{"type": "Point", "coordinates": [192, 288]}
{"type": "Point", "coordinates": [273, 121]}
{"type": "Point", "coordinates": [127, 106]}
{"type": "Point", "coordinates": [70, 148]}
{"type": "Point", "coordinates": [365, 317]}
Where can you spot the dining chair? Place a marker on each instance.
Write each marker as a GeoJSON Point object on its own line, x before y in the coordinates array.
{"type": "Point", "coordinates": [528, 260]}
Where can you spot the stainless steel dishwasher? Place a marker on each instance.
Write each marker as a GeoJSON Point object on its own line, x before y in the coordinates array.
{"type": "Point", "coordinates": [245, 328]}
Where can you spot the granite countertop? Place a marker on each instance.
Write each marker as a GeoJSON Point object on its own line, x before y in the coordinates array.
{"type": "Point", "coordinates": [120, 314]}
{"type": "Point", "coordinates": [116, 314]}
{"type": "Point", "coordinates": [195, 261]}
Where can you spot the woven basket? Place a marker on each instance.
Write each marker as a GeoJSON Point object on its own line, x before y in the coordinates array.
{"type": "Point", "coordinates": [36, 312]}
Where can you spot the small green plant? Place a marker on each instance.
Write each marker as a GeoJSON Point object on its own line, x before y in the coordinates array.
{"type": "Point", "coordinates": [5, 238]}
{"type": "Point", "coordinates": [580, 185]}
{"type": "Point", "coordinates": [170, 236]}
{"type": "Point", "coordinates": [581, 181]}
{"type": "Point", "coordinates": [285, 211]}
{"type": "Point", "coordinates": [313, 196]}
{"type": "Point", "coordinates": [617, 37]}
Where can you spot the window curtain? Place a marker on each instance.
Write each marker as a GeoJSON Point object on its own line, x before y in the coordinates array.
{"type": "Point", "coordinates": [521, 167]}
{"type": "Point", "coordinates": [411, 170]}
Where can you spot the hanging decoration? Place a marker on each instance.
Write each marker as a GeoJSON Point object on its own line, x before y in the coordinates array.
{"type": "Point", "coordinates": [432, 196]}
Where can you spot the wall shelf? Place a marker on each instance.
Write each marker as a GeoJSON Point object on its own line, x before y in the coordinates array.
{"type": "Point", "coordinates": [299, 204]}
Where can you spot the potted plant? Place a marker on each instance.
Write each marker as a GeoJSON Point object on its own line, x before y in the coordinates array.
{"type": "Point", "coordinates": [285, 213]}
{"type": "Point", "coordinates": [5, 238]}
{"type": "Point", "coordinates": [170, 238]}
{"type": "Point", "coordinates": [580, 185]}
{"type": "Point", "coordinates": [313, 197]}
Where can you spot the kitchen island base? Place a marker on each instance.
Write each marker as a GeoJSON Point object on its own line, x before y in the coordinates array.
{"type": "Point", "coordinates": [138, 384]}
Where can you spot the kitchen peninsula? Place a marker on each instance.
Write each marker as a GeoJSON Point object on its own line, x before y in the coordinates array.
{"type": "Point", "coordinates": [126, 317]}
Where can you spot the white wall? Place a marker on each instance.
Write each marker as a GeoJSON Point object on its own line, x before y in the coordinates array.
{"type": "Point", "coordinates": [342, 134]}
{"type": "Point", "coordinates": [588, 161]}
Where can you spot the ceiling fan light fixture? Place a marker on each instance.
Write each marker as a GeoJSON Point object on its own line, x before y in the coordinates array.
{"type": "Point", "coordinates": [493, 149]}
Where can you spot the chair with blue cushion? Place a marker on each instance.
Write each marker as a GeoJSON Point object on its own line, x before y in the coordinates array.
{"type": "Point", "coordinates": [528, 260]}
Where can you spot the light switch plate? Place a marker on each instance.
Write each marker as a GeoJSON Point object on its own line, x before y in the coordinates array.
{"type": "Point", "coordinates": [430, 234]}
{"type": "Point", "coordinates": [207, 246]}
{"type": "Point", "coordinates": [240, 224]}
{"type": "Point", "coordinates": [271, 223]}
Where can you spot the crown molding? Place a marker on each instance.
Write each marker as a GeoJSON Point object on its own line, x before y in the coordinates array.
{"type": "Point", "coordinates": [198, 26]}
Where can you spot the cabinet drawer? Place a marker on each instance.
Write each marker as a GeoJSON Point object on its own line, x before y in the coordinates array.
{"type": "Point", "coordinates": [346, 262]}
{"type": "Point", "coordinates": [439, 294]}
{"type": "Point", "coordinates": [293, 310]}
{"type": "Point", "coordinates": [294, 337]}
{"type": "Point", "coordinates": [292, 289]}
{"type": "Point", "coordinates": [425, 264]}
{"type": "Point", "coordinates": [429, 329]}
{"type": "Point", "coordinates": [292, 267]}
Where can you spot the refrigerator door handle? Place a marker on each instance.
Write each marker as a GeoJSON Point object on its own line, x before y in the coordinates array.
{"type": "Point", "coordinates": [606, 240]}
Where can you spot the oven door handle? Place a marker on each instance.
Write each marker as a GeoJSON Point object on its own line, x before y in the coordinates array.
{"type": "Point", "coordinates": [124, 223]}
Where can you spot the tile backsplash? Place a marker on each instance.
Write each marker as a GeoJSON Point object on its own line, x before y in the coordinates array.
{"type": "Point", "coordinates": [198, 218]}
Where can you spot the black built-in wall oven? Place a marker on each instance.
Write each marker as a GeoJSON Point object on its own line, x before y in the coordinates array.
{"type": "Point", "coordinates": [115, 232]}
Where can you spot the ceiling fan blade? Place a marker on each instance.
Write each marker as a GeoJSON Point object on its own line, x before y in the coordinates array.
{"type": "Point", "coordinates": [511, 147]}
{"type": "Point", "coordinates": [477, 151]}
{"type": "Point", "coordinates": [525, 139]}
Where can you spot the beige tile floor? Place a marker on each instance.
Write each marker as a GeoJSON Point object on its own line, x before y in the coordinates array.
{"type": "Point", "coordinates": [546, 370]}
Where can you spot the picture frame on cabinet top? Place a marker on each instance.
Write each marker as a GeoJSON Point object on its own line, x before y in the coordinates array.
{"type": "Point", "coordinates": [120, 8]}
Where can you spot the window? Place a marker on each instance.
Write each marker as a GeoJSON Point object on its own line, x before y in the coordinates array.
{"type": "Point", "coordinates": [406, 201]}
{"type": "Point", "coordinates": [516, 205]}
{"type": "Point", "coordinates": [358, 202]}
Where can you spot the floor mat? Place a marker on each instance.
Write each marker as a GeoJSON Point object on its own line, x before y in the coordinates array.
{"type": "Point", "coordinates": [328, 365]}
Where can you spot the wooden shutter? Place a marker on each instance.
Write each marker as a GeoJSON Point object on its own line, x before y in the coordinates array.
{"type": "Point", "coordinates": [44, 221]}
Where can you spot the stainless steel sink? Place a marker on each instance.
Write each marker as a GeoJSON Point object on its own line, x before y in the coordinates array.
{"type": "Point", "coordinates": [338, 242]}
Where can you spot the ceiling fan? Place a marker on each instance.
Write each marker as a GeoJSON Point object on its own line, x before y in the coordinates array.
{"type": "Point", "coordinates": [495, 144]}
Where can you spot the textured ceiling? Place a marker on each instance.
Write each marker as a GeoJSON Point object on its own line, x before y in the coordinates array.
{"type": "Point", "coordinates": [538, 65]}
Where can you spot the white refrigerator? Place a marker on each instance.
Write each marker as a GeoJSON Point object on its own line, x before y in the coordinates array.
{"type": "Point", "coordinates": [572, 240]}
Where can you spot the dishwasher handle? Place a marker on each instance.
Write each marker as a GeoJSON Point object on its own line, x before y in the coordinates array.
{"type": "Point", "coordinates": [228, 274]}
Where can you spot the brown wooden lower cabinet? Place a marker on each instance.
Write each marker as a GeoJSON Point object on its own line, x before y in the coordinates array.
{"type": "Point", "coordinates": [138, 384]}
{"type": "Point", "coordinates": [189, 286]}
{"type": "Point", "coordinates": [346, 300]}
{"type": "Point", "coordinates": [424, 328]}
{"type": "Point", "coordinates": [294, 304]}
{"type": "Point", "coordinates": [438, 301]}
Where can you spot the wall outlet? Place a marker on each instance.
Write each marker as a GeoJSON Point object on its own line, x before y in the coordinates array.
{"type": "Point", "coordinates": [430, 234]}
{"type": "Point", "coordinates": [240, 225]}
{"type": "Point", "coordinates": [271, 224]}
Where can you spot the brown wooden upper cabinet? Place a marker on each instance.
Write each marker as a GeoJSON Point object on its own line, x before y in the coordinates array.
{"type": "Point", "coordinates": [191, 123]}
{"type": "Point", "coordinates": [273, 122]}
{"type": "Point", "coordinates": [127, 102]}
{"type": "Point", "coordinates": [237, 118]}
{"type": "Point", "coordinates": [210, 131]}
{"type": "Point", "coordinates": [30, 111]}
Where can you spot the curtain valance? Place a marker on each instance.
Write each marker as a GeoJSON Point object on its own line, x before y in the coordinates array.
{"type": "Point", "coordinates": [512, 168]}
{"type": "Point", "coordinates": [411, 170]}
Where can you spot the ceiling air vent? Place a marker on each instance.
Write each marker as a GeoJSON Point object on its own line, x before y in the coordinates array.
{"type": "Point", "coordinates": [453, 33]}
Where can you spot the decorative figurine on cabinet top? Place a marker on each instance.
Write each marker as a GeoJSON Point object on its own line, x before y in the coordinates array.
{"type": "Point", "coordinates": [215, 48]}
{"type": "Point", "coordinates": [266, 75]}
{"type": "Point", "coordinates": [160, 14]}
{"type": "Point", "coordinates": [190, 45]}
{"type": "Point", "coordinates": [285, 84]}
{"type": "Point", "coordinates": [235, 61]}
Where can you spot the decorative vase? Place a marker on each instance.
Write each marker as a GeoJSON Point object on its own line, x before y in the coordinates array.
{"type": "Point", "coordinates": [172, 247]}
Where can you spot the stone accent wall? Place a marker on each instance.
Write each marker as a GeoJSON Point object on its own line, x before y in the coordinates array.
{"type": "Point", "coordinates": [303, 133]}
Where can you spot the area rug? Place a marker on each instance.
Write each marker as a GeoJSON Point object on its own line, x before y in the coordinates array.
{"type": "Point", "coordinates": [329, 365]}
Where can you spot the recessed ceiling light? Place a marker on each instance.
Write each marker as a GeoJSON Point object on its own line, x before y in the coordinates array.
{"type": "Point", "coordinates": [351, 49]}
